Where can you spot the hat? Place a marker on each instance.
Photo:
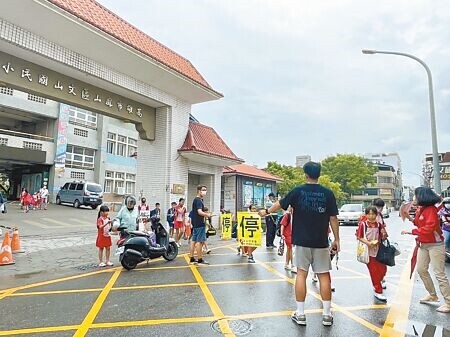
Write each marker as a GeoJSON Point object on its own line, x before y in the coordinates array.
{"type": "Point", "coordinates": [271, 194]}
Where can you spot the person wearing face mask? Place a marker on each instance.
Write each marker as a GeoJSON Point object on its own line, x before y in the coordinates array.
{"type": "Point", "coordinates": [198, 226]}
{"type": "Point", "coordinates": [444, 217]}
{"type": "Point", "coordinates": [128, 214]}
{"type": "Point", "coordinates": [143, 207]}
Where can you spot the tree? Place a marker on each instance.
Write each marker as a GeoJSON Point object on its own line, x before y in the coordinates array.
{"type": "Point", "coordinates": [294, 176]}
{"type": "Point", "coordinates": [352, 172]}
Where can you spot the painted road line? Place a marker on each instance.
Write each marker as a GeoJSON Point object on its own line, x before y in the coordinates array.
{"type": "Point", "coordinates": [33, 285]}
{"type": "Point", "coordinates": [38, 330]}
{"type": "Point", "coordinates": [352, 271]}
{"type": "Point", "coordinates": [217, 312]}
{"type": "Point", "coordinates": [152, 322]}
{"type": "Point", "coordinates": [56, 222]}
{"type": "Point", "coordinates": [81, 222]}
{"type": "Point", "coordinates": [317, 296]}
{"type": "Point", "coordinates": [398, 315]}
{"type": "Point", "coordinates": [56, 292]}
{"type": "Point", "coordinates": [35, 223]}
{"type": "Point", "coordinates": [244, 281]}
{"type": "Point", "coordinates": [156, 286]}
{"type": "Point", "coordinates": [90, 317]}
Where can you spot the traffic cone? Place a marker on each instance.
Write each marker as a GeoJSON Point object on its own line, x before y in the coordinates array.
{"type": "Point", "coordinates": [15, 243]}
{"type": "Point", "coordinates": [6, 257]}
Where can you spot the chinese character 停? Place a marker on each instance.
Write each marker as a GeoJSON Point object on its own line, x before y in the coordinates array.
{"type": "Point", "coordinates": [249, 224]}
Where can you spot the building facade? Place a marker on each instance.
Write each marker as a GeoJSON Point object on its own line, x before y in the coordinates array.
{"type": "Point", "coordinates": [127, 76]}
{"type": "Point", "coordinates": [444, 166]}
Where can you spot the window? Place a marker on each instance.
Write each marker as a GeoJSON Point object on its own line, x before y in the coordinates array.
{"type": "Point", "coordinates": [130, 183]}
{"type": "Point", "coordinates": [77, 175]}
{"type": "Point", "coordinates": [132, 147]}
{"type": "Point", "coordinates": [111, 143]}
{"type": "Point", "coordinates": [80, 132]}
{"type": "Point", "coordinates": [109, 182]}
{"type": "Point", "coordinates": [80, 157]}
{"type": "Point", "coordinates": [119, 180]}
{"type": "Point", "coordinates": [72, 186]}
{"type": "Point", "coordinates": [82, 117]}
{"type": "Point", "coordinates": [121, 145]}
{"type": "Point", "coordinates": [385, 180]}
{"type": "Point", "coordinates": [80, 187]}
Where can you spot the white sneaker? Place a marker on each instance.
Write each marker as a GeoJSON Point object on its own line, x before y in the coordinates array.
{"type": "Point", "coordinates": [294, 270]}
{"type": "Point", "coordinates": [102, 264]}
{"type": "Point", "coordinates": [380, 297]}
{"type": "Point", "coordinates": [287, 267]}
{"type": "Point", "coordinates": [383, 284]}
{"type": "Point", "coordinates": [314, 278]}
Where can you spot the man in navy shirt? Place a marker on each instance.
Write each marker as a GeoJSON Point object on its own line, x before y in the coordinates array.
{"type": "Point", "coordinates": [198, 226]}
{"type": "Point", "coordinates": [315, 210]}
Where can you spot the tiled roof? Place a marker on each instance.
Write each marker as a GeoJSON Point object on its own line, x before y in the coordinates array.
{"type": "Point", "coordinates": [250, 171]}
{"type": "Point", "coordinates": [446, 157]}
{"type": "Point", "coordinates": [102, 18]}
{"type": "Point", "coordinates": [204, 139]}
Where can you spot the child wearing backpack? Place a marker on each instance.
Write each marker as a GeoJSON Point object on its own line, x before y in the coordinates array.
{"type": "Point", "coordinates": [103, 236]}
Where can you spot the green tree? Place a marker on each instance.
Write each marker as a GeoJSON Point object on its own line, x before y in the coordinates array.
{"type": "Point", "coordinates": [352, 172]}
{"type": "Point", "coordinates": [294, 176]}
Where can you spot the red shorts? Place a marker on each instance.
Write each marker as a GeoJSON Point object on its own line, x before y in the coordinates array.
{"type": "Point", "coordinates": [178, 224]}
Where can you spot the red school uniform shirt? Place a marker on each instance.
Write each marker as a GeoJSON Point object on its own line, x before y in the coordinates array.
{"type": "Point", "coordinates": [180, 212]}
{"type": "Point", "coordinates": [103, 235]}
{"type": "Point", "coordinates": [286, 221]}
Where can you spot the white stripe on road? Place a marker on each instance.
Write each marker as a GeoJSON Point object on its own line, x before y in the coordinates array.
{"type": "Point", "coordinates": [84, 223]}
{"type": "Point", "coordinates": [59, 223]}
{"type": "Point", "coordinates": [35, 223]}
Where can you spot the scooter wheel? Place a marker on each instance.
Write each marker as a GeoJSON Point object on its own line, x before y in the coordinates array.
{"type": "Point", "coordinates": [128, 263]}
{"type": "Point", "coordinates": [172, 252]}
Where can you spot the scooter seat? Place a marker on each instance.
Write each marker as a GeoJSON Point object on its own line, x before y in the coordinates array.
{"type": "Point", "coordinates": [138, 233]}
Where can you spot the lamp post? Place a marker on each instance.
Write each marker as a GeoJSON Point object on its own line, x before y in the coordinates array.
{"type": "Point", "coordinates": [436, 171]}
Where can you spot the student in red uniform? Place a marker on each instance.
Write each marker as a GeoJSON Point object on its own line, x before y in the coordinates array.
{"type": "Point", "coordinates": [103, 236]}
{"type": "Point", "coordinates": [369, 232]}
{"type": "Point", "coordinates": [286, 234]}
{"type": "Point", "coordinates": [180, 213]}
{"type": "Point", "coordinates": [432, 248]}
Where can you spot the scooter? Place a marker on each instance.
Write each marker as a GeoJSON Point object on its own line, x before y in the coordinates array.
{"type": "Point", "coordinates": [136, 246]}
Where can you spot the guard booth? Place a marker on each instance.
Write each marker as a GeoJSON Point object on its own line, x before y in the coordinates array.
{"type": "Point", "coordinates": [86, 57]}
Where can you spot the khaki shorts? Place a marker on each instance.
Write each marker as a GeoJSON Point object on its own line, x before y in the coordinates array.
{"type": "Point", "coordinates": [318, 258]}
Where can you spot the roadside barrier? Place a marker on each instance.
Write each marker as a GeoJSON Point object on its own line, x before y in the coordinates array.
{"type": "Point", "coordinates": [6, 257]}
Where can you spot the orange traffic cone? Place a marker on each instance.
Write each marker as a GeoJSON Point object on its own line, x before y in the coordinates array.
{"type": "Point", "coordinates": [6, 257]}
{"type": "Point", "coordinates": [15, 243]}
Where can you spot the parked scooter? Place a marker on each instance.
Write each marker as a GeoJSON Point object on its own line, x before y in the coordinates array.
{"type": "Point", "coordinates": [136, 246]}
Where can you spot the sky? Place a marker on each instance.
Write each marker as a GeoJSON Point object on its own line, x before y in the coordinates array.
{"type": "Point", "coordinates": [295, 81]}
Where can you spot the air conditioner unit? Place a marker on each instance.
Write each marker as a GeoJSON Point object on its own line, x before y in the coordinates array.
{"type": "Point", "coordinates": [120, 190]}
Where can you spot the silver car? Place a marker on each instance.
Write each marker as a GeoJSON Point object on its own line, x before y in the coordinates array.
{"type": "Point", "coordinates": [80, 193]}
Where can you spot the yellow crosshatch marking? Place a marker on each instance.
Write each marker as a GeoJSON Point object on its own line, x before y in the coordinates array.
{"type": "Point", "coordinates": [217, 313]}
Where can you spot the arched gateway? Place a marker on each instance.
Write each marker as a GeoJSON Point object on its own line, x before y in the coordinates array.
{"type": "Point", "coordinates": [80, 54]}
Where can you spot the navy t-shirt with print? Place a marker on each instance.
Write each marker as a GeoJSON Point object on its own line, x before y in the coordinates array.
{"type": "Point", "coordinates": [196, 219]}
{"type": "Point", "coordinates": [313, 205]}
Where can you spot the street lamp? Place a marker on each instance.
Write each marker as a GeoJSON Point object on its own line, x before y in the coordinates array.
{"type": "Point", "coordinates": [437, 177]}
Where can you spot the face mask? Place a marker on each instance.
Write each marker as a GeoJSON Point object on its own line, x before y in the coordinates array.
{"type": "Point", "coordinates": [203, 193]}
{"type": "Point", "coordinates": [447, 206]}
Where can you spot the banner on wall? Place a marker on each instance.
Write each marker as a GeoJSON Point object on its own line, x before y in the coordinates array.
{"type": "Point", "coordinates": [61, 140]}
{"type": "Point", "coordinates": [249, 229]}
{"type": "Point", "coordinates": [226, 225]}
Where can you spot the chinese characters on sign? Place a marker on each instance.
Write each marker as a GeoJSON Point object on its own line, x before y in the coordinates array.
{"type": "Point", "coordinates": [225, 221]}
{"type": "Point", "coordinates": [249, 229]}
{"type": "Point", "coordinates": [72, 89]}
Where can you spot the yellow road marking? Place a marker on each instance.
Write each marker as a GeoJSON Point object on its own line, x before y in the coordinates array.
{"type": "Point", "coordinates": [180, 320]}
{"type": "Point", "coordinates": [52, 292]}
{"type": "Point", "coordinates": [33, 285]}
{"type": "Point", "coordinates": [399, 312]}
{"type": "Point", "coordinates": [89, 319]}
{"type": "Point", "coordinates": [38, 330]}
{"type": "Point", "coordinates": [217, 312]}
{"type": "Point", "coordinates": [155, 286]}
{"type": "Point", "coordinates": [341, 309]}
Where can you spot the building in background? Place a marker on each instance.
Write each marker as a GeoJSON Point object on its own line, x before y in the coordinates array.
{"type": "Point", "coordinates": [444, 166]}
{"type": "Point", "coordinates": [302, 160]}
{"type": "Point", "coordinates": [244, 184]}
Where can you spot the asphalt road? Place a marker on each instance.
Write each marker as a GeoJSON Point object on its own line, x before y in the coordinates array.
{"type": "Point", "coordinates": [230, 297]}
